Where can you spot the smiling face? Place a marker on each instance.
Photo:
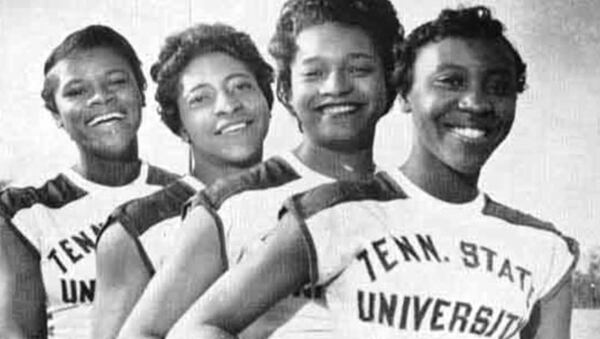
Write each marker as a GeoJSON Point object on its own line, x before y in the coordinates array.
{"type": "Point", "coordinates": [462, 100]}
{"type": "Point", "coordinates": [224, 113]}
{"type": "Point", "coordinates": [337, 86]}
{"type": "Point", "coordinates": [98, 101]}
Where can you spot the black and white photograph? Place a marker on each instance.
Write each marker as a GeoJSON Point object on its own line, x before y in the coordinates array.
{"type": "Point", "coordinates": [294, 169]}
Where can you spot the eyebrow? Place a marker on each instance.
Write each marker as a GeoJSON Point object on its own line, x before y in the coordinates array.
{"type": "Point", "coordinates": [77, 81]}
{"type": "Point", "coordinates": [238, 75]}
{"type": "Point", "coordinates": [196, 88]}
{"type": "Point", "coordinates": [227, 79]}
{"type": "Point", "coordinates": [117, 70]}
{"type": "Point", "coordinates": [352, 56]}
{"type": "Point", "coordinates": [494, 69]}
{"type": "Point", "coordinates": [72, 82]}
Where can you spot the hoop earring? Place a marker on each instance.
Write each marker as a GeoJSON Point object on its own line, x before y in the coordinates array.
{"type": "Point", "coordinates": [190, 160]}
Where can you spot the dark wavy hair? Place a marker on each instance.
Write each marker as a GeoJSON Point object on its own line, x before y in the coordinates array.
{"type": "Point", "coordinates": [465, 22]}
{"type": "Point", "coordinates": [90, 37]}
{"type": "Point", "coordinates": [376, 17]}
{"type": "Point", "coordinates": [182, 47]}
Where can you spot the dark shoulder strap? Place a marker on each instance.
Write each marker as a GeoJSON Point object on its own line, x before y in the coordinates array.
{"type": "Point", "coordinates": [270, 173]}
{"type": "Point", "coordinates": [160, 177]}
{"type": "Point", "coordinates": [380, 188]}
{"type": "Point", "coordinates": [55, 193]}
{"type": "Point", "coordinates": [139, 215]}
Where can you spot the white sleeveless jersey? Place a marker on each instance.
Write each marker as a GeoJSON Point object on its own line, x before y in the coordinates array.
{"type": "Point", "coordinates": [150, 220]}
{"type": "Point", "coordinates": [246, 207]}
{"type": "Point", "coordinates": [59, 222]}
{"type": "Point", "coordinates": [399, 263]}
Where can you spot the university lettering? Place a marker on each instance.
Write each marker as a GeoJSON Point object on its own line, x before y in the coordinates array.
{"type": "Point", "coordinates": [385, 253]}
{"type": "Point", "coordinates": [72, 249]}
{"type": "Point", "coordinates": [418, 313]}
{"type": "Point", "coordinates": [77, 291]}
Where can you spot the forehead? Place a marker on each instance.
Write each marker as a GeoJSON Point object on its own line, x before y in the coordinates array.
{"type": "Point", "coordinates": [212, 68]}
{"type": "Point", "coordinates": [333, 40]}
{"type": "Point", "coordinates": [468, 53]}
{"type": "Point", "coordinates": [88, 63]}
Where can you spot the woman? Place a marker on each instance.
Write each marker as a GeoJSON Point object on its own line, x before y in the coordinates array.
{"type": "Point", "coordinates": [419, 252]}
{"type": "Point", "coordinates": [336, 75]}
{"type": "Point", "coordinates": [214, 92]}
{"type": "Point", "coordinates": [94, 89]}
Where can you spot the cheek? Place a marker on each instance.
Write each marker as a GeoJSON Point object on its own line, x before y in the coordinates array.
{"type": "Point", "coordinates": [257, 105]}
{"type": "Point", "coordinates": [506, 110]}
{"type": "Point", "coordinates": [69, 114]}
{"type": "Point", "coordinates": [301, 96]}
{"type": "Point", "coordinates": [133, 99]}
{"type": "Point", "coordinates": [199, 125]}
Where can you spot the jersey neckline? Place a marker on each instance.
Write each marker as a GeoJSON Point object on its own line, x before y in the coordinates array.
{"type": "Point", "coordinates": [304, 170]}
{"type": "Point", "coordinates": [413, 191]}
{"type": "Point", "coordinates": [93, 186]}
{"type": "Point", "coordinates": [300, 167]}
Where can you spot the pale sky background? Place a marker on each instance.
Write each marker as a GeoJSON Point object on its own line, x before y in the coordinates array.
{"type": "Point", "coordinates": [549, 166]}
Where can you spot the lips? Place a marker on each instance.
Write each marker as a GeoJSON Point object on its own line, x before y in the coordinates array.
{"type": "Point", "coordinates": [338, 109]}
{"type": "Point", "coordinates": [105, 118]}
{"type": "Point", "coordinates": [232, 127]}
{"type": "Point", "coordinates": [469, 132]}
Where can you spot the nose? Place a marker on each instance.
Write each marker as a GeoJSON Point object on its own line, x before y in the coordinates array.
{"type": "Point", "coordinates": [336, 83]}
{"type": "Point", "coordinates": [475, 101]}
{"type": "Point", "coordinates": [226, 103]}
{"type": "Point", "coordinates": [101, 95]}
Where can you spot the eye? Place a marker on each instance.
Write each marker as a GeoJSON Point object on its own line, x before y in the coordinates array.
{"type": "Point", "coordinates": [199, 99]}
{"type": "Point", "coordinates": [312, 74]}
{"type": "Point", "coordinates": [360, 70]}
{"type": "Point", "coordinates": [450, 81]}
{"type": "Point", "coordinates": [117, 80]}
{"type": "Point", "coordinates": [74, 92]}
{"type": "Point", "coordinates": [243, 86]}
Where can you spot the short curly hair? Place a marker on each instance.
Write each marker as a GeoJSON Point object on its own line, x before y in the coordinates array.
{"type": "Point", "coordinates": [376, 17]}
{"type": "Point", "coordinates": [465, 22]}
{"type": "Point", "coordinates": [180, 48]}
{"type": "Point", "coordinates": [87, 38]}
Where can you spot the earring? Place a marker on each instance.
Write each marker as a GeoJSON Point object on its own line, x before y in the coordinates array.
{"type": "Point", "coordinates": [190, 160]}
{"type": "Point", "coordinates": [185, 137]}
{"type": "Point", "coordinates": [405, 105]}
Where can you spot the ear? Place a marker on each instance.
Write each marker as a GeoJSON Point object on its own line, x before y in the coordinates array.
{"type": "Point", "coordinates": [57, 120]}
{"type": "Point", "coordinates": [405, 103]}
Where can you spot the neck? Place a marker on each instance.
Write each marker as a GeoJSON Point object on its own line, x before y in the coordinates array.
{"type": "Point", "coordinates": [207, 170]}
{"type": "Point", "coordinates": [439, 180]}
{"type": "Point", "coordinates": [341, 165]}
{"type": "Point", "coordinates": [107, 171]}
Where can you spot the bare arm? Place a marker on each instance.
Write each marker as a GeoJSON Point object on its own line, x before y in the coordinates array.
{"type": "Point", "coordinates": [22, 301]}
{"type": "Point", "coordinates": [195, 265]}
{"type": "Point", "coordinates": [121, 279]}
{"type": "Point", "coordinates": [250, 288]}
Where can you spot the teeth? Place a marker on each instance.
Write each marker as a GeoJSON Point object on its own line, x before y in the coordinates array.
{"type": "Point", "coordinates": [106, 117]}
{"type": "Point", "coordinates": [468, 132]}
{"type": "Point", "coordinates": [339, 109]}
{"type": "Point", "coordinates": [234, 127]}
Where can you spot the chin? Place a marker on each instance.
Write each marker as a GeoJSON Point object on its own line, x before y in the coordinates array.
{"type": "Point", "coordinates": [469, 167]}
{"type": "Point", "coordinates": [115, 149]}
{"type": "Point", "coordinates": [243, 157]}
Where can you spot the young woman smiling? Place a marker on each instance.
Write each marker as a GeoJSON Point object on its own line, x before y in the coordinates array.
{"type": "Point", "coordinates": [94, 89]}
{"type": "Point", "coordinates": [336, 75]}
{"type": "Point", "coordinates": [420, 251]}
{"type": "Point", "coordinates": [214, 92]}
